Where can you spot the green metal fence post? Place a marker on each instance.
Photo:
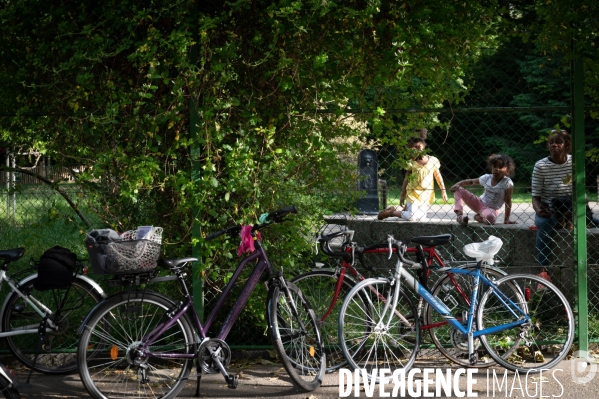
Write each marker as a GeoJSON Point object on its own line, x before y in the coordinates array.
{"type": "Point", "coordinates": [198, 280]}
{"type": "Point", "coordinates": [579, 193]}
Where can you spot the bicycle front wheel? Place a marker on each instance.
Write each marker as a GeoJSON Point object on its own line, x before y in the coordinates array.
{"type": "Point", "coordinates": [372, 334]}
{"type": "Point", "coordinates": [455, 291]}
{"type": "Point", "coordinates": [544, 340]}
{"type": "Point", "coordinates": [112, 360]}
{"type": "Point", "coordinates": [58, 354]}
{"type": "Point", "coordinates": [294, 333]}
{"type": "Point", "coordinates": [319, 287]}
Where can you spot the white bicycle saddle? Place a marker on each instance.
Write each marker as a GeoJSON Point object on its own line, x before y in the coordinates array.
{"type": "Point", "coordinates": [485, 250]}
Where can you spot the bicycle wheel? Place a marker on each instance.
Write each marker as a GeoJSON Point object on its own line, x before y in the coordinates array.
{"type": "Point", "coordinates": [296, 340]}
{"type": "Point", "coordinates": [8, 392]}
{"type": "Point", "coordinates": [318, 286]}
{"type": "Point", "coordinates": [455, 291]}
{"type": "Point", "coordinates": [7, 384]}
{"type": "Point", "coordinates": [110, 365]}
{"type": "Point", "coordinates": [539, 344]}
{"type": "Point", "coordinates": [371, 334]}
{"type": "Point", "coordinates": [59, 353]}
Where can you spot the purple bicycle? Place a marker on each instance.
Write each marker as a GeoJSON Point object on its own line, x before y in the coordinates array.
{"type": "Point", "coordinates": [140, 343]}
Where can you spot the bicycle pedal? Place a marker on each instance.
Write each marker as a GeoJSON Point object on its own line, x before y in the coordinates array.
{"type": "Point", "coordinates": [232, 381]}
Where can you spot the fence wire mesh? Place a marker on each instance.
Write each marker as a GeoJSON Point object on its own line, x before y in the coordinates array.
{"type": "Point", "coordinates": [493, 121]}
{"type": "Point", "coordinates": [504, 113]}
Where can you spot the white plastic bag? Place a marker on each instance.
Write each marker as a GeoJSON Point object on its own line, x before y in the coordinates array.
{"type": "Point", "coordinates": [485, 250]}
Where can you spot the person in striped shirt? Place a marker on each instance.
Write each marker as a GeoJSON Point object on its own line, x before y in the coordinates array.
{"type": "Point", "coordinates": [551, 178]}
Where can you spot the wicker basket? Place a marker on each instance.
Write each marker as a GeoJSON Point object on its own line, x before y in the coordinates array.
{"type": "Point", "coordinates": [127, 255]}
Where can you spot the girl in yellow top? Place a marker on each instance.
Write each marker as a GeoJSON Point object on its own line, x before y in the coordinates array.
{"type": "Point", "coordinates": [418, 189]}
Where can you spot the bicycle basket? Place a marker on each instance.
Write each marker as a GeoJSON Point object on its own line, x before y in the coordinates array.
{"type": "Point", "coordinates": [126, 254]}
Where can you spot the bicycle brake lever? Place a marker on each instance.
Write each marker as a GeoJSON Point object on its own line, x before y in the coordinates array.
{"type": "Point", "coordinates": [390, 240]}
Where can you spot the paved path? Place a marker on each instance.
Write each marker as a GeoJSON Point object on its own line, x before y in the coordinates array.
{"type": "Point", "coordinates": [271, 381]}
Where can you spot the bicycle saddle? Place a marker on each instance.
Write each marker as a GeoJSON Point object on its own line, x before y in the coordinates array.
{"type": "Point", "coordinates": [432, 241]}
{"type": "Point", "coordinates": [10, 255]}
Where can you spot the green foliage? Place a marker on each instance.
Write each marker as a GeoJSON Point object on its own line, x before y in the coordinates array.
{"type": "Point", "coordinates": [208, 113]}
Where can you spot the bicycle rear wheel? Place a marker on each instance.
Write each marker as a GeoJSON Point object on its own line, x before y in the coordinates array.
{"type": "Point", "coordinates": [374, 336]}
{"type": "Point", "coordinates": [319, 287]}
{"type": "Point", "coordinates": [7, 384]}
{"type": "Point", "coordinates": [59, 353]}
{"type": "Point", "coordinates": [111, 364]}
{"type": "Point", "coordinates": [455, 291]}
{"type": "Point", "coordinates": [294, 333]}
{"type": "Point", "coordinates": [539, 344]}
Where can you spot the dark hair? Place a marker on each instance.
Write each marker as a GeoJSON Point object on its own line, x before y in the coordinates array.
{"type": "Point", "coordinates": [505, 160]}
{"type": "Point", "coordinates": [412, 141]}
{"type": "Point", "coordinates": [564, 135]}
{"type": "Point", "coordinates": [423, 133]}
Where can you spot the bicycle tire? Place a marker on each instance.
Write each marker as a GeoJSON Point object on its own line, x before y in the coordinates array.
{"type": "Point", "coordinates": [299, 349]}
{"type": "Point", "coordinates": [7, 384]}
{"type": "Point", "coordinates": [318, 287]}
{"type": "Point", "coordinates": [450, 342]}
{"type": "Point", "coordinates": [366, 341]}
{"type": "Point", "coordinates": [8, 392]}
{"type": "Point", "coordinates": [59, 355]}
{"type": "Point", "coordinates": [108, 366]}
{"type": "Point", "coordinates": [545, 341]}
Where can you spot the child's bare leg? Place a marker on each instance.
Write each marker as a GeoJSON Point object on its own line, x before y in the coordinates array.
{"type": "Point", "coordinates": [388, 212]}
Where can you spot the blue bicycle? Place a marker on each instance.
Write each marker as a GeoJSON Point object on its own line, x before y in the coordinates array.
{"type": "Point", "coordinates": [523, 321]}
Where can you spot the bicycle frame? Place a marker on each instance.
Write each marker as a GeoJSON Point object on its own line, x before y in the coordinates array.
{"type": "Point", "coordinates": [262, 265]}
{"type": "Point", "coordinates": [36, 305]}
{"type": "Point", "coordinates": [431, 255]}
{"type": "Point", "coordinates": [444, 311]}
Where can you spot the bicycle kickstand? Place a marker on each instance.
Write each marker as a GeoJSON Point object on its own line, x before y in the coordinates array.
{"type": "Point", "coordinates": [199, 377]}
{"type": "Point", "coordinates": [40, 345]}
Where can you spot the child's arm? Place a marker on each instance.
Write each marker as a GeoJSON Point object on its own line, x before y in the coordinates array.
{"type": "Point", "coordinates": [508, 205]}
{"type": "Point", "coordinates": [439, 179]}
{"type": "Point", "coordinates": [464, 183]}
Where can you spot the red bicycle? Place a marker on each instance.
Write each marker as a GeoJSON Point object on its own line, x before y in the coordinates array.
{"type": "Point", "coordinates": [324, 286]}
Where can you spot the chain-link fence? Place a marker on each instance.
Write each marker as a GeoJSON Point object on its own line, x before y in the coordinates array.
{"type": "Point", "coordinates": [509, 113]}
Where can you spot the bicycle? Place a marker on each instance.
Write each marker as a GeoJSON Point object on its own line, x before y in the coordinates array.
{"type": "Point", "coordinates": [141, 343]}
{"type": "Point", "coordinates": [40, 327]}
{"type": "Point", "coordinates": [318, 285]}
{"type": "Point", "coordinates": [8, 384]}
{"type": "Point", "coordinates": [523, 322]}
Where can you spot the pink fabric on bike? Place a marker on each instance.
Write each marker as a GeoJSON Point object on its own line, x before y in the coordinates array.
{"type": "Point", "coordinates": [247, 243]}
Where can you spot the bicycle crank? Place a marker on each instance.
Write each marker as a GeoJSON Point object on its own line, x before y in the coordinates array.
{"type": "Point", "coordinates": [214, 355]}
{"type": "Point", "coordinates": [211, 354]}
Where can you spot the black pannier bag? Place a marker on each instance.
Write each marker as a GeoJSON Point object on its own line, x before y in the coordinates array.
{"type": "Point", "coordinates": [55, 269]}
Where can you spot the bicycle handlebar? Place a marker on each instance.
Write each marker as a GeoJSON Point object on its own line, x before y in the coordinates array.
{"type": "Point", "coordinates": [267, 218]}
{"type": "Point", "coordinates": [400, 248]}
{"type": "Point", "coordinates": [325, 242]}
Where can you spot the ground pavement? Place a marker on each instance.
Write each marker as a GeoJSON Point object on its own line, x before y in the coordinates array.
{"type": "Point", "coordinates": [269, 380]}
